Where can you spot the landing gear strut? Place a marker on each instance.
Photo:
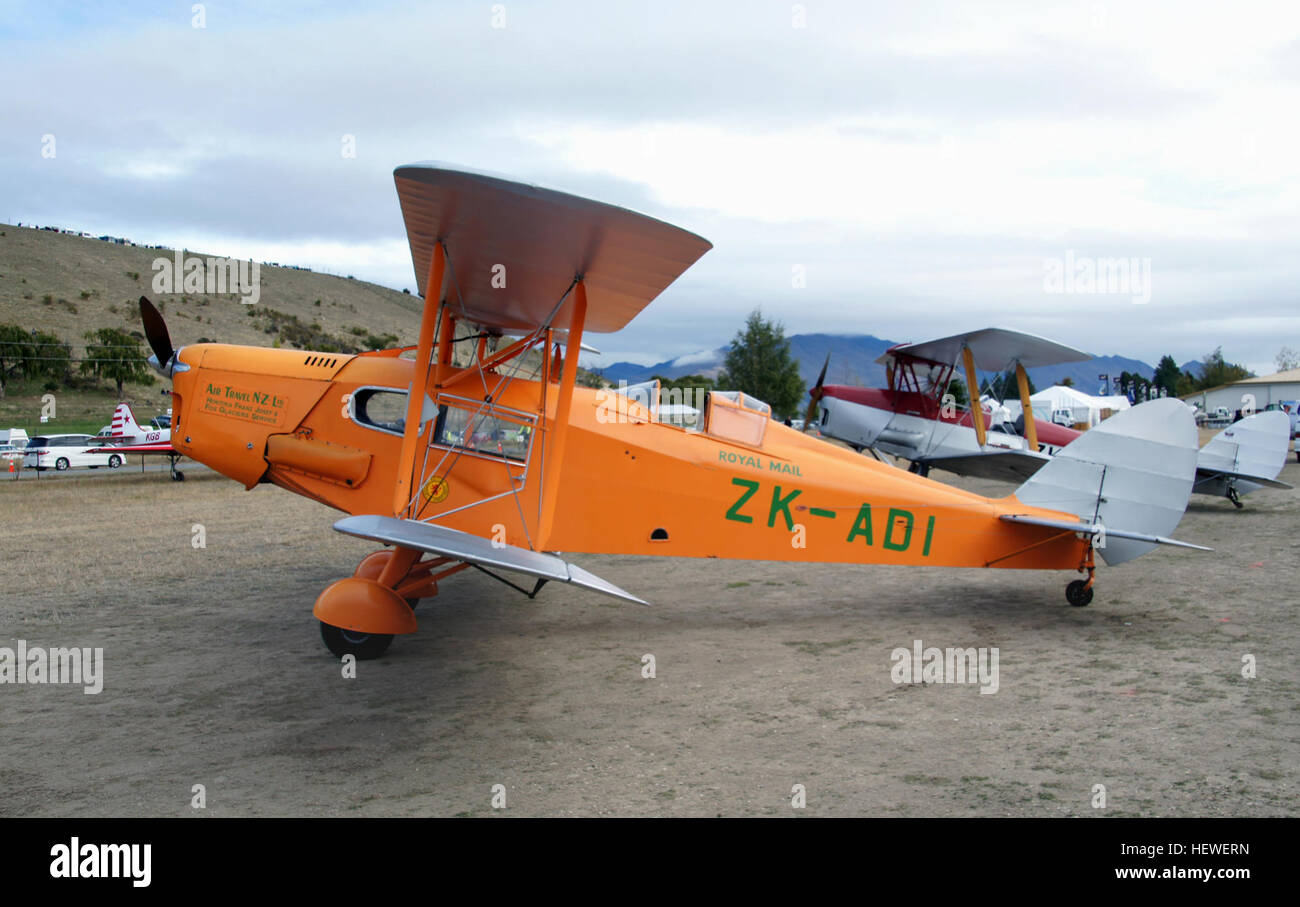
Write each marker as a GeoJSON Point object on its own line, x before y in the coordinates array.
{"type": "Point", "coordinates": [1234, 497]}
{"type": "Point", "coordinates": [177, 475]}
{"type": "Point", "coordinates": [361, 614]}
{"type": "Point", "coordinates": [1079, 592]}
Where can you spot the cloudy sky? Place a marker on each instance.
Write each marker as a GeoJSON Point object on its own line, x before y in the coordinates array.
{"type": "Point", "coordinates": [927, 167]}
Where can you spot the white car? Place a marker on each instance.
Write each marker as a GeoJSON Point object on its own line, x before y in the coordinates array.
{"type": "Point", "coordinates": [65, 451]}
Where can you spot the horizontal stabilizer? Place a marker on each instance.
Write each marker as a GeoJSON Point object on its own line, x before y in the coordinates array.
{"type": "Point", "coordinates": [1216, 475]}
{"type": "Point", "coordinates": [471, 549]}
{"type": "Point", "coordinates": [1007, 465]}
{"type": "Point", "coordinates": [1097, 529]}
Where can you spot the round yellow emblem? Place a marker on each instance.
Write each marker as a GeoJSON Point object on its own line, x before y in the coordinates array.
{"type": "Point", "coordinates": [435, 490]}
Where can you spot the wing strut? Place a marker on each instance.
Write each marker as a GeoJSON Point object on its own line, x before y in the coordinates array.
{"type": "Point", "coordinates": [1031, 430]}
{"type": "Point", "coordinates": [973, 391]}
{"type": "Point", "coordinates": [559, 429]}
{"type": "Point", "coordinates": [420, 378]}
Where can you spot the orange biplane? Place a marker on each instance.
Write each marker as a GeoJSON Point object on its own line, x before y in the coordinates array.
{"type": "Point", "coordinates": [482, 451]}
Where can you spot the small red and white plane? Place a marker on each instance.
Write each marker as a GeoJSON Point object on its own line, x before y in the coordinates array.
{"type": "Point", "coordinates": [126, 435]}
{"type": "Point", "coordinates": [915, 418]}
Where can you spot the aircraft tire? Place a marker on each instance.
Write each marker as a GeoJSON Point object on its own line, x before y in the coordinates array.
{"type": "Point", "coordinates": [363, 645]}
{"type": "Point", "coordinates": [1078, 594]}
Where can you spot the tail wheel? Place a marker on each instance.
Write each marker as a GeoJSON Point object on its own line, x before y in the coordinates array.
{"type": "Point", "coordinates": [348, 642]}
{"type": "Point", "coordinates": [1078, 593]}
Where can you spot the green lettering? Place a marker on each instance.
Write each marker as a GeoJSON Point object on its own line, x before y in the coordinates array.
{"type": "Point", "coordinates": [897, 514]}
{"type": "Point", "coordinates": [734, 513]}
{"type": "Point", "coordinates": [782, 505]}
{"type": "Point", "coordinates": [862, 525]}
{"type": "Point", "coordinates": [929, 535]}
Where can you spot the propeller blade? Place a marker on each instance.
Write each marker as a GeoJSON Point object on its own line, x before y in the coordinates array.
{"type": "Point", "coordinates": [816, 393]}
{"type": "Point", "coordinates": [155, 330]}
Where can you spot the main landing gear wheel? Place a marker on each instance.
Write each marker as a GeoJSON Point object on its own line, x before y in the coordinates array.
{"type": "Point", "coordinates": [349, 642]}
{"type": "Point", "coordinates": [1078, 593]}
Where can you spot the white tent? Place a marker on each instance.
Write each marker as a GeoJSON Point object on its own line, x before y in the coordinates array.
{"type": "Point", "coordinates": [1083, 407]}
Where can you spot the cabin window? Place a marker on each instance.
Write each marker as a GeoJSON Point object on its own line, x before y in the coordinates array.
{"type": "Point", "coordinates": [378, 408]}
{"type": "Point", "coordinates": [736, 417]}
{"type": "Point", "coordinates": [482, 432]}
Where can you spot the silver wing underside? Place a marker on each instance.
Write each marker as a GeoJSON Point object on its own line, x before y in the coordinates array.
{"type": "Point", "coordinates": [471, 549]}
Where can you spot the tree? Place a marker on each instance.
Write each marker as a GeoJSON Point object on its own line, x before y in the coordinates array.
{"type": "Point", "coordinates": [1167, 375]}
{"type": "Point", "coordinates": [1217, 371]}
{"type": "Point", "coordinates": [117, 356]}
{"type": "Point", "coordinates": [957, 388]}
{"type": "Point", "coordinates": [1287, 359]}
{"type": "Point", "coordinates": [1005, 386]}
{"type": "Point", "coordinates": [1067, 381]}
{"type": "Point", "coordinates": [17, 351]}
{"type": "Point", "coordinates": [53, 358]}
{"type": "Point", "coordinates": [759, 364]}
{"type": "Point", "coordinates": [686, 382]}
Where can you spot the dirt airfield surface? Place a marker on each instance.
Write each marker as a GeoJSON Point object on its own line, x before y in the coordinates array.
{"type": "Point", "coordinates": [768, 676]}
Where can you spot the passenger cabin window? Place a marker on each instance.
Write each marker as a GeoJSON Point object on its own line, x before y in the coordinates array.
{"type": "Point", "coordinates": [379, 408]}
{"type": "Point", "coordinates": [482, 432]}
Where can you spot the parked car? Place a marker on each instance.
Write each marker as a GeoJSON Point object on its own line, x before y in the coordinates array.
{"type": "Point", "coordinates": [10, 452]}
{"type": "Point", "coordinates": [65, 451]}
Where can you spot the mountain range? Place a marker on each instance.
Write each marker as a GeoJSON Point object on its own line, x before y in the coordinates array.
{"type": "Point", "coordinates": [853, 361]}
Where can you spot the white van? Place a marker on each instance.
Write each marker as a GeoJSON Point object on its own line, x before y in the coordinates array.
{"type": "Point", "coordinates": [14, 436]}
{"type": "Point", "coordinates": [65, 451]}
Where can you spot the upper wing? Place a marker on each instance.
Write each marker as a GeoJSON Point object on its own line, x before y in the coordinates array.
{"type": "Point", "coordinates": [514, 249]}
{"type": "Point", "coordinates": [471, 549]}
{"type": "Point", "coordinates": [993, 348]}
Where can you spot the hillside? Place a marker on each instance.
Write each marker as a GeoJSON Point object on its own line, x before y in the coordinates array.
{"type": "Point", "coordinates": [69, 285]}
{"type": "Point", "coordinates": [853, 361]}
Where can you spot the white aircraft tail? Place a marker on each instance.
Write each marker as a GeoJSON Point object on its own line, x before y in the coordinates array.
{"type": "Point", "coordinates": [1254, 448]}
{"type": "Point", "coordinates": [124, 424]}
{"type": "Point", "coordinates": [1128, 479]}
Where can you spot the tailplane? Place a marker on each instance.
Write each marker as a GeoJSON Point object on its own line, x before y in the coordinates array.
{"type": "Point", "coordinates": [1128, 479]}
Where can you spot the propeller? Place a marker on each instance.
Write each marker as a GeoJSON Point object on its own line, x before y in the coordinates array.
{"type": "Point", "coordinates": [816, 393]}
{"type": "Point", "coordinates": [155, 331]}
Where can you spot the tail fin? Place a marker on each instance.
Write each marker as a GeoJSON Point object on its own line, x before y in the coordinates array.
{"type": "Point", "coordinates": [124, 423]}
{"type": "Point", "coordinates": [1132, 473]}
{"type": "Point", "coordinates": [1255, 447]}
